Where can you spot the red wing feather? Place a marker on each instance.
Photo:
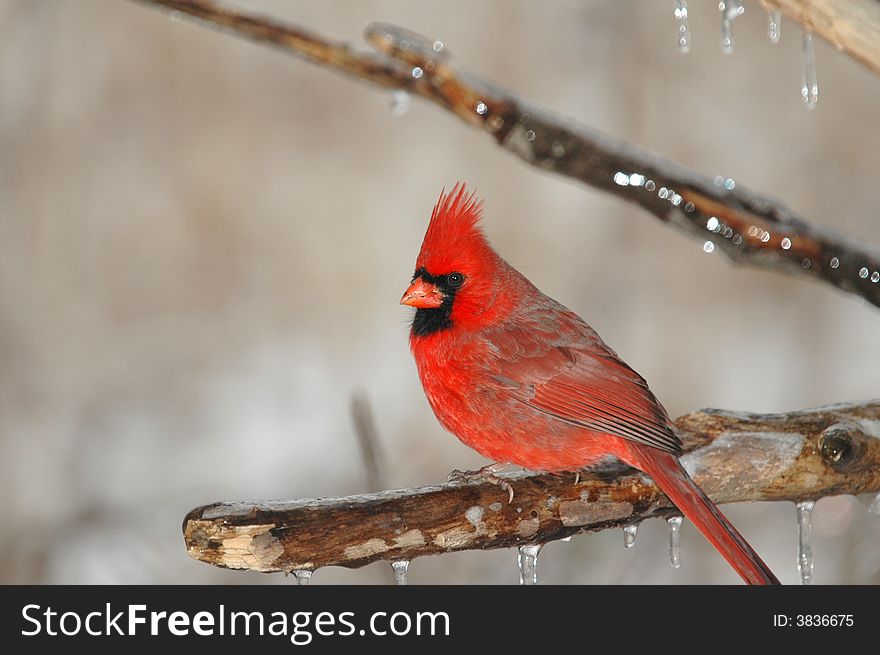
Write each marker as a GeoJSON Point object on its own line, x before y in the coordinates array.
{"type": "Point", "coordinates": [585, 385]}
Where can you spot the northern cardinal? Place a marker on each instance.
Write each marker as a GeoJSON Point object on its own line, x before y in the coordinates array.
{"type": "Point", "coordinates": [523, 380]}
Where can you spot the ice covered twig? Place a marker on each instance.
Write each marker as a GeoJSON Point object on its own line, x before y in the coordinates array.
{"type": "Point", "coordinates": [749, 228]}
{"type": "Point", "coordinates": [852, 27]}
{"type": "Point", "coordinates": [796, 456]}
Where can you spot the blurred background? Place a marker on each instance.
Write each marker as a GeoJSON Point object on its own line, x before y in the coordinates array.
{"type": "Point", "coordinates": [203, 242]}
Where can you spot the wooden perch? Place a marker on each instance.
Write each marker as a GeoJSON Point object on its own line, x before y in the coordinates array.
{"type": "Point", "coordinates": [734, 457]}
{"type": "Point", "coordinates": [749, 228]}
{"type": "Point", "coordinates": [851, 26]}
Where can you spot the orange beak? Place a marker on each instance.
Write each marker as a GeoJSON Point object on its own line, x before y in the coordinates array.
{"type": "Point", "coordinates": [422, 295]}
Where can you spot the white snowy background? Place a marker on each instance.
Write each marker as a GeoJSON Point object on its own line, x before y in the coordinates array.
{"type": "Point", "coordinates": [203, 242]}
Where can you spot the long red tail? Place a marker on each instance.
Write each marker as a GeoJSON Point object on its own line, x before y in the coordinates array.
{"type": "Point", "coordinates": [665, 469]}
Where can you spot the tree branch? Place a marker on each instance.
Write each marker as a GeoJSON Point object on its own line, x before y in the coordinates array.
{"type": "Point", "coordinates": [749, 228]}
{"type": "Point", "coordinates": [852, 26]}
{"type": "Point", "coordinates": [734, 457]}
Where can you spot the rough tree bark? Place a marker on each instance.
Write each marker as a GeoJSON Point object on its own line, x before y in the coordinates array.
{"type": "Point", "coordinates": [749, 228]}
{"type": "Point", "coordinates": [734, 457]}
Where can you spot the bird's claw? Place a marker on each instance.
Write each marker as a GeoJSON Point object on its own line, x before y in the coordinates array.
{"type": "Point", "coordinates": [485, 474]}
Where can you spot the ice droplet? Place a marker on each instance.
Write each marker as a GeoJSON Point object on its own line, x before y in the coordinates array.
{"type": "Point", "coordinates": [730, 10]}
{"type": "Point", "coordinates": [835, 262]}
{"type": "Point", "coordinates": [774, 25]}
{"type": "Point", "coordinates": [528, 563]}
{"type": "Point", "coordinates": [417, 72]}
{"type": "Point", "coordinates": [863, 272]}
{"type": "Point", "coordinates": [400, 567]}
{"type": "Point", "coordinates": [708, 247]}
{"type": "Point", "coordinates": [683, 32]}
{"type": "Point", "coordinates": [303, 576]}
{"type": "Point", "coordinates": [400, 102]}
{"type": "Point", "coordinates": [629, 535]}
{"type": "Point", "coordinates": [874, 507]}
{"type": "Point", "coordinates": [674, 541]}
{"type": "Point", "coordinates": [810, 86]}
{"type": "Point", "coordinates": [805, 539]}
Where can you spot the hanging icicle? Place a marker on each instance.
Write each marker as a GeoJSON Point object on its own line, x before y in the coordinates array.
{"type": "Point", "coordinates": [805, 541]}
{"type": "Point", "coordinates": [674, 541]}
{"type": "Point", "coordinates": [629, 535]}
{"type": "Point", "coordinates": [528, 563]}
{"type": "Point", "coordinates": [400, 566]}
{"type": "Point", "coordinates": [774, 25]}
{"type": "Point", "coordinates": [302, 576]}
{"type": "Point", "coordinates": [810, 86]}
{"type": "Point", "coordinates": [730, 11]}
{"type": "Point", "coordinates": [683, 31]}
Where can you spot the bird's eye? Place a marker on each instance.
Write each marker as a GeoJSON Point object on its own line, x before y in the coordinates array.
{"type": "Point", "coordinates": [455, 280]}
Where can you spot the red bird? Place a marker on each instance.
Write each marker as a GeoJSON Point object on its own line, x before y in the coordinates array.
{"type": "Point", "coordinates": [523, 380]}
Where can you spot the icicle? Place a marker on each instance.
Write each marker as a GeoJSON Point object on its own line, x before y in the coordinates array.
{"type": "Point", "coordinates": [805, 538]}
{"type": "Point", "coordinates": [774, 26]}
{"type": "Point", "coordinates": [681, 21]}
{"type": "Point", "coordinates": [400, 102]}
{"type": "Point", "coordinates": [674, 541]}
{"type": "Point", "coordinates": [303, 576]}
{"type": "Point", "coordinates": [629, 535]}
{"type": "Point", "coordinates": [400, 567]}
{"type": "Point", "coordinates": [528, 564]}
{"type": "Point", "coordinates": [730, 10]}
{"type": "Point", "coordinates": [874, 507]}
{"type": "Point", "coordinates": [810, 87]}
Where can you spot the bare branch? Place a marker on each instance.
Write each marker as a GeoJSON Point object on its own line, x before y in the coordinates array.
{"type": "Point", "coordinates": [749, 228]}
{"type": "Point", "coordinates": [852, 26]}
{"type": "Point", "coordinates": [734, 457]}
{"type": "Point", "coordinates": [368, 440]}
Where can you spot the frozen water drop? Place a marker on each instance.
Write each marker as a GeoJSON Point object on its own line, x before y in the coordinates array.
{"type": "Point", "coordinates": [303, 576]}
{"type": "Point", "coordinates": [650, 186]}
{"type": "Point", "coordinates": [805, 541]}
{"type": "Point", "coordinates": [530, 135]}
{"type": "Point", "coordinates": [874, 507]}
{"type": "Point", "coordinates": [730, 10]}
{"type": "Point", "coordinates": [528, 563]}
{"type": "Point", "coordinates": [863, 272]}
{"type": "Point", "coordinates": [683, 31]}
{"type": "Point", "coordinates": [400, 567]}
{"type": "Point", "coordinates": [621, 178]}
{"type": "Point", "coordinates": [786, 243]}
{"type": "Point", "coordinates": [810, 86]}
{"type": "Point", "coordinates": [400, 102]}
{"type": "Point", "coordinates": [835, 262]}
{"type": "Point", "coordinates": [629, 535]}
{"type": "Point", "coordinates": [708, 247]}
{"type": "Point", "coordinates": [674, 541]}
{"type": "Point", "coordinates": [730, 184]}
{"type": "Point", "coordinates": [689, 206]}
{"type": "Point", "coordinates": [481, 108]}
{"type": "Point", "coordinates": [774, 25]}
{"type": "Point", "coordinates": [712, 224]}
{"type": "Point", "coordinates": [437, 46]}
{"type": "Point", "coordinates": [417, 72]}
{"type": "Point", "coordinates": [875, 277]}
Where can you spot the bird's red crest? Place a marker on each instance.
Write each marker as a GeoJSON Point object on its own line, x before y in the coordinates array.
{"type": "Point", "coordinates": [454, 233]}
